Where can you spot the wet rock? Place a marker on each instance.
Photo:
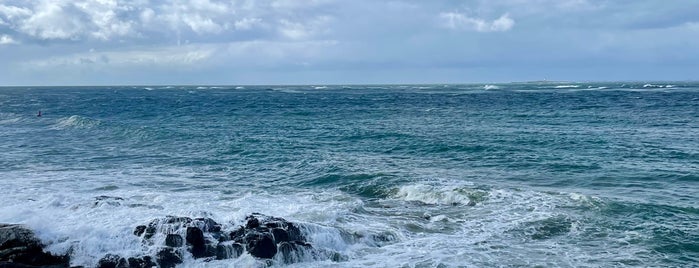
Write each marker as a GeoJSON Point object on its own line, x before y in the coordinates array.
{"type": "Point", "coordinates": [196, 241]}
{"type": "Point", "coordinates": [143, 262]}
{"type": "Point", "coordinates": [262, 235]}
{"type": "Point", "coordinates": [112, 261]}
{"type": "Point", "coordinates": [107, 200]}
{"type": "Point", "coordinates": [228, 250]}
{"type": "Point", "coordinates": [139, 230]}
{"type": "Point", "coordinates": [207, 225]}
{"type": "Point", "coordinates": [261, 245]}
{"type": "Point", "coordinates": [252, 222]}
{"type": "Point", "coordinates": [168, 257]}
{"type": "Point", "coordinates": [20, 247]}
{"type": "Point", "coordinates": [280, 235]}
{"type": "Point", "coordinates": [238, 235]}
{"type": "Point", "coordinates": [174, 240]}
{"type": "Point", "coordinates": [293, 252]}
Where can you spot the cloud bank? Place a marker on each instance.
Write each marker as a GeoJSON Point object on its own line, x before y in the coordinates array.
{"type": "Point", "coordinates": [333, 41]}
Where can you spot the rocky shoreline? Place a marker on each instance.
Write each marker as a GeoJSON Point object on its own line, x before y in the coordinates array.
{"type": "Point", "coordinates": [264, 237]}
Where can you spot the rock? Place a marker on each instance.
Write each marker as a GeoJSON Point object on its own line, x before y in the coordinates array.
{"type": "Point", "coordinates": [19, 246]}
{"type": "Point", "coordinates": [261, 245]}
{"type": "Point", "coordinates": [293, 252]}
{"type": "Point", "coordinates": [112, 261]}
{"type": "Point", "coordinates": [143, 262]}
{"type": "Point", "coordinates": [252, 222]}
{"type": "Point", "coordinates": [168, 257]}
{"type": "Point", "coordinates": [196, 241]}
{"type": "Point", "coordinates": [207, 225]}
{"type": "Point", "coordinates": [238, 235]}
{"type": "Point", "coordinates": [139, 230]}
{"type": "Point", "coordinates": [228, 250]}
{"type": "Point", "coordinates": [107, 200]}
{"type": "Point", "coordinates": [174, 240]}
{"type": "Point", "coordinates": [280, 235]}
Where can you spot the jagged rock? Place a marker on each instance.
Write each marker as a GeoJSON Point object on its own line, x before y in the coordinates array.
{"type": "Point", "coordinates": [174, 240]}
{"type": "Point", "coordinates": [112, 261]}
{"type": "Point", "coordinates": [108, 200]}
{"type": "Point", "coordinates": [262, 234]}
{"type": "Point", "coordinates": [143, 262]}
{"type": "Point", "coordinates": [139, 230]}
{"type": "Point", "coordinates": [293, 251]}
{"type": "Point", "coordinates": [20, 247]}
{"type": "Point", "coordinates": [196, 241]}
{"type": "Point", "coordinates": [207, 225]}
{"type": "Point", "coordinates": [168, 257]}
{"type": "Point", "coordinates": [261, 245]}
{"type": "Point", "coordinates": [227, 250]}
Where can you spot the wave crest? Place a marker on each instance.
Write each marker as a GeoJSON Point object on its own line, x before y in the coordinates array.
{"type": "Point", "coordinates": [76, 121]}
{"type": "Point", "coordinates": [440, 195]}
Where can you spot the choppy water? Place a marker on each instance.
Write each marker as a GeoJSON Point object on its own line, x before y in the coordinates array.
{"type": "Point", "coordinates": [529, 174]}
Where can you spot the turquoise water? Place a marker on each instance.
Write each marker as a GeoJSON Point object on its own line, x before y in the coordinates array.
{"type": "Point", "coordinates": [516, 174]}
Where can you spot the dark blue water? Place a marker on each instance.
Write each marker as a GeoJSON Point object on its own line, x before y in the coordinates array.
{"type": "Point", "coordinates": [518, 174]}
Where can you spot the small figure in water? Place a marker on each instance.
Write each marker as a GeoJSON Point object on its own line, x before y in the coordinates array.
{"type": "Point", "coordinates": [39, 114]}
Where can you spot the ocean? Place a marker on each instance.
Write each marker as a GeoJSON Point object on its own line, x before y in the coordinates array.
{"type": "Point", "coordinates": [539, 174]}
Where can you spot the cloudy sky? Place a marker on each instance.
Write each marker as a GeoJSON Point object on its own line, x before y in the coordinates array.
{"type": "Point", "coordinates": [98, 42]}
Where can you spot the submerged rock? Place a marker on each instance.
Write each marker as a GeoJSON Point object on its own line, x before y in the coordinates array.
{"type": "Point", "coordinates": [168, 257]}
{"type": "Point", "coordinates": [174, 240]}
{"type": "Point", "coordinates": [19, 247]}
{"type": "Point", "coordinates": [228, 250]}
{"type": "Point", "coordinates": [112, 261]}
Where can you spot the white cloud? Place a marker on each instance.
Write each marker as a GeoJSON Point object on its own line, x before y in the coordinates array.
{"type": "Point", "coordinates": [247, 23]}
{"type": "Point", "coordinates": [54, 20]}
{"type": "Point", "coordinates": [246, 53]}
{"type": "Point", "coordinates": [164, 57]}
{"type": "Point", "coordinates": [459, 21]}
{"type": "Point", "coordinates": [7, 40]}
{"type": "Point", "coordinates": [13, 12]}
{"type": "Point", "coordinates": [303, 30]}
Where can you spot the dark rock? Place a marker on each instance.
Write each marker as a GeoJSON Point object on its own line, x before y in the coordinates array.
{"type": "Point", "coordinates": [177, 220]}
{"type": "Point", "coordinates": [293, 251]}
{"type": "Point", "coordinates": [174, 240]}
{"type": "Point", "coordinates": [228, 250]}
{"type": "Point", "coordinates": [139, 230]}
{"type": "Point", "coordinates": [168, 258]}
{"type": "Point", "coordinates": [252, 222]}
{"type": "Point", "coordinates": [19, 246]}
{"type": "Point", "coordinates": [294, 232]}
{"type": "Point", "coordinates": [109, 200]}
{"type": "Point", "coordinates": [280, 235]}
{"type": "Point", "coordinates": [112, 261]}
{"type": "Point", "coordinates": [143, 262]}
{"type": "Point", "coordinates": [238, 235]}
{"type": "Point", "coordinates": [207, 224]}
{"type": "Point", "coordinates": [261, 245]}
{"type": "Point", "coordinates": [196, 241]}
{"type": "Point", "coordinates": [150, 231]}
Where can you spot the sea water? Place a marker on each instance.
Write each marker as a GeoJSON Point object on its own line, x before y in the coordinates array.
{"type": "Point", "coordinates": [476, 175]}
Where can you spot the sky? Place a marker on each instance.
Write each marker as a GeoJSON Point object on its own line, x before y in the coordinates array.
{"type": "Point", "coordinates": [243, 42]}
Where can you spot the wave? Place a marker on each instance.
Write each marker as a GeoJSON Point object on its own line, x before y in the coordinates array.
{"type": "Point", "coordinates": [9, 118]}
{"type": "Point", "coordinates": [439, 195]}
{"type": "Point", "coordinates": [490, 87]}
{"type": "Point", "coordinates": [567, 86]}
{"type": "Point", "coordinates": [657, 86]}
{"type": "Point", "coordinates": [76, 121]}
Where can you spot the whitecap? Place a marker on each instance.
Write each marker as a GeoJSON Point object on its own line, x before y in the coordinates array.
{"type": "Point", "coordinates": [76, 121]}
{"type": "Point", "coordinates": [567, 86]}
{"type": "Point", "coordinates": [489, 87]}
